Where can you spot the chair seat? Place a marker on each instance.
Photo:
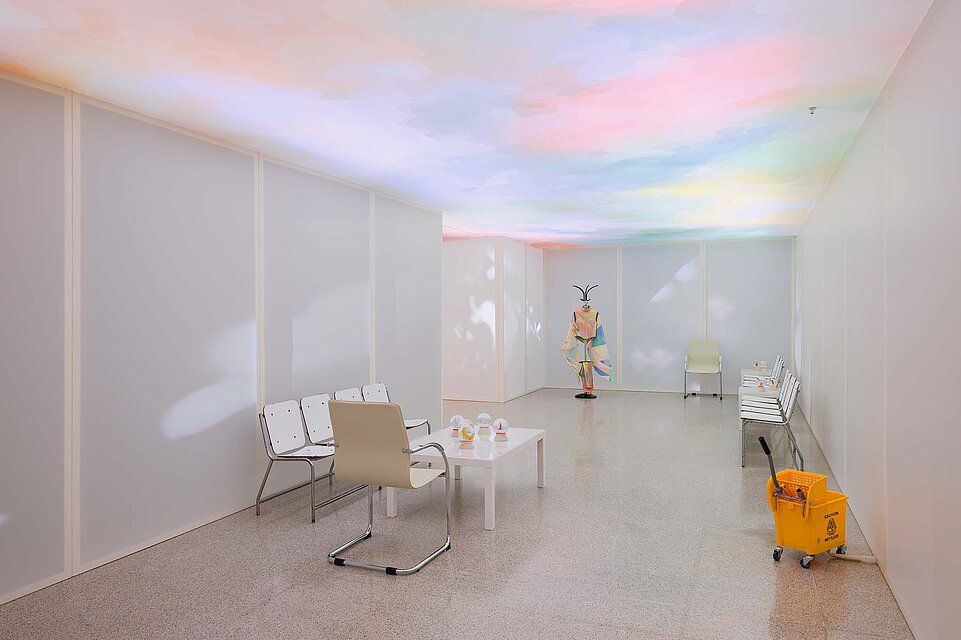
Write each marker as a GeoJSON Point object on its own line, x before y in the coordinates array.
{"type": "Point", "coordinates": [761, 409]}
{"type": "Point", "coordinates": [420, 477]}
{"type": "Point", "coordinates": [414, 422]}
{"type": "Point", "coordinates": [762, 417]}
{"type": "Point", "coordinates": [759, 399]}
{"type": "Point", "coordinates": [310, 451]}
{"type": "Point", "coordinates": [702, 368]}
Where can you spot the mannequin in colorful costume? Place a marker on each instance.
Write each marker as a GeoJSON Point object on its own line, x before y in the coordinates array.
{"type": "Point", "coordinates": [586, 329]}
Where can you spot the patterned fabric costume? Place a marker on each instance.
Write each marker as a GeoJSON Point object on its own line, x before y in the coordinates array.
{"type": "Point", "coordinates": [586, 327]}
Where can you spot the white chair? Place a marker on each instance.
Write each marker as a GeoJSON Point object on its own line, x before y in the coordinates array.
{"type": "Point", "coordinates": [316, 412]}
{"type": "Point", "coordinates": [778, 414]}
{"type": "Point", "coordinates": [373, 449]}
{"type": "Point", "coordinates": [750, 378]}
{"type": "Point", "coordinates": [378, 393]}
{"type": "Point", "coordinates": [282, 426]}
{"type": "Point", "coordinates": [351, 395]}
{"type": "Point", "coordinates": [704, 357]}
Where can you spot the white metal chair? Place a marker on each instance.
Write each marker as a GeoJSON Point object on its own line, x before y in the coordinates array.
{"type": "Point", "coordinates": [373, 448]}
{"type": "Point", "coordinates": [352, 395]}
{"type": "Point", "coordinates": [378, 393]}
{"type": "Point", "coordinates": [316, 412]}
{"type": "Point", "coordinates": [704, 357]}
{"type": "Point", "coordinates": [282, 426]}
{"type": "Point", "coordinates": [776, 415]}
{"type": "Point", "coordinates": [750, 378]}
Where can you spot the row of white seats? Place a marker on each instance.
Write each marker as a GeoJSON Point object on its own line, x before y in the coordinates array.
{"type": "Point", "coordinates": [751, 379]}
{"type": "Point", "coordinates": [301, 432]}
{"type": "Point", "coordinates": [774, 412]}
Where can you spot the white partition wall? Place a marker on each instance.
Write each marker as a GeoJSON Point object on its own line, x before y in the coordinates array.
{"type": "Point", "coordinates": [536, 329]}
{"type": "Point", "coordinates": [407, 305]}
{"type": "Point", "coordinates": [493, 319]}
{"type": "Point", "coordinates": [317, 302]}
{"type": "Point", "coordinates": [513, 284]}
{"type": "Point", "coordinates": [663, 302]}
{"type": "Point", "coordinates": [157, 286]}
{"type": "Point", "coordinates": [470, 302]}
{"type": "Point", "coordinates": [749, 302]}
{"type": "Point", "coordinates": [878, 272]}
{"type": "Point", "coordinates": [32, 459]}
{"type": "Point", "coordinates": [168, 336]}
{"type": "Point", "coordinates": [565, 268]}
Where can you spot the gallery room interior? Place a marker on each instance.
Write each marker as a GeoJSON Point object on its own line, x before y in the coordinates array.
{"type": "Point", "coordinates": [480, 319]}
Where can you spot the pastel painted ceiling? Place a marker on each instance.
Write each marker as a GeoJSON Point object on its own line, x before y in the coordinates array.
{"type": "Point", "coordinates": [555, 122]}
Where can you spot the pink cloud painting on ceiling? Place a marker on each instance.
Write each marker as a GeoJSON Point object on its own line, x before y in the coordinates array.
{"type": "Point", "coordinates": [556, 122]}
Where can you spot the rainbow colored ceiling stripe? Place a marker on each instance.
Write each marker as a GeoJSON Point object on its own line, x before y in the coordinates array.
{"type": "Point", "coordinates": [554, 122]}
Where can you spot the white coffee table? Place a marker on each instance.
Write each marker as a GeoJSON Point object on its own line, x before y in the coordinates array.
{"type": "Point", "coordinates": [486, 454]}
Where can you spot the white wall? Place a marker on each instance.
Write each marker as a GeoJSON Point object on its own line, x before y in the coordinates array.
{"type": "Point", "coordinates": [878, 270]}
{"type": "Point", "coordinates": [878, 279]}
{"type": "Point", "coordinates": [493, 299]}
{"type": "Point", "coordinates": [407, 305]}
{"type": "Point", "coordinates": [159, 285]}
{"type": "Point", "coordinates": [655, 298]}
{"type": "Point", "coordinates": [536, 329]}
{"type": "Point", "coordinates": [32, 344]}
{"type": "Point", "coordinates": [317, 290]}
{"type": "Point", "coordinates": [168, 348]}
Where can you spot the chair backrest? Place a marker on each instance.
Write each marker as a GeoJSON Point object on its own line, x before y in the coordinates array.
{"type": "Point", "coordinates": [778, 365]}
{"type": "Point", "coordinates": [285, 426]}
{"type": "Point", "coordinates": [353, 395]}
{"type": "Point", "coordinates": [785, 390]}
{"type": "Point", "coordinates": [371, 439]}
{"type": "Point", "coordinates": [792, 399]}
{"type": "Point", "coordinates": [375, 392]}
{"type": "Point", "coordinates": [706, 352]}
{"type": "Point", "coordinates": [317, 418]}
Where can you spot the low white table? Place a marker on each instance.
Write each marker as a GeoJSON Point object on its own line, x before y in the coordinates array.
{"type": "Point", "coordinates": [485, 453]}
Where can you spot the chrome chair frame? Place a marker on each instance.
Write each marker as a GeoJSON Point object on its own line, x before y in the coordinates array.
{"type": "Point", "coordinates": [273, 457]}
{"type": "Point", "coordinates": [394, 571]}
{"type": "Point", "coordinates": [784, 416]}
{"type": "Point", "coordinates": [720, 378]}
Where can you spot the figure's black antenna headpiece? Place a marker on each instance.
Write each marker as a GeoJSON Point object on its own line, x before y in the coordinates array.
{"type": "Point", "coordinates": [586, 291]}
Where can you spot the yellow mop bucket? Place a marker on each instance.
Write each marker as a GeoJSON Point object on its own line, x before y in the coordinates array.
{"type": "Point", "coordinates": [807, 516]}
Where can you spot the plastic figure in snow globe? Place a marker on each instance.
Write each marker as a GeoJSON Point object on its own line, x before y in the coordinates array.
{"type": "Point", "coordinates": [466, 434]}
{"type": "Point", "coordinates": [454, 425]}
{"type": "Point", "coordinates": [484, 425]}
{"type": "Point", "coordinates": [500, 429]}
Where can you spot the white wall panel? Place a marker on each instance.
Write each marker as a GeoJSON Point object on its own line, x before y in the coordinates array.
{"type": "Point", "coordinates": [316, 290]}
{"type": "Point", "coordinates": [879, 257]}
{"type": "Point", "coordinates": [469, 295]}
{"type": "Point", "coordinates": [514, 289]}
{"type": "Point", "coordinates": [32, 340]}
{"type": "Point", "coordinates": [168, 380]}
{"type": "Point", "coordinates": [536, 331]}
{"type": "Point", "coordinates": [662, 312]}
{"type": "Point", "coordinates": [748, 303]}
{"type": "Point", "coordinates": [566, 268]}
{"type": "Point", "coordinates": [407, 305]}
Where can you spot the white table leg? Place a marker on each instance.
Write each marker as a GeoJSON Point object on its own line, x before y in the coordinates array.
{"type": "Point", "coordinates": [489, 475]}
{"type": "Point", "coordinates": [540, 462]}
{"type": "Point", "coordinates": [456, 472]}
{"type": "Point", "coordinates": [391, 502]}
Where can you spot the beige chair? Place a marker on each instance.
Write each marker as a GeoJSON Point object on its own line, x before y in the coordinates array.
{"type": "Point", "coordinates": [703, 356]}
{"type": "Point", "coordinates": [373, 449]}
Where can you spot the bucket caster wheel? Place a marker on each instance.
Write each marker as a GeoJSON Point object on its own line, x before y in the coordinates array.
{"type": "Point", "coordinates": [842, 549]}
{"type": "Point", "coordinates": [806, 561]}
{"type": "Point", "coordinates": [777, 553]}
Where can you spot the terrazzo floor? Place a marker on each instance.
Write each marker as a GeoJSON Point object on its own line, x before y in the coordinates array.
{"type": "Point", "coordinates": [648, 528]}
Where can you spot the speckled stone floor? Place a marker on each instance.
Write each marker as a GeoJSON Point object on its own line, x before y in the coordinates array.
{"type": "Point", "coordinates": [648, 528]}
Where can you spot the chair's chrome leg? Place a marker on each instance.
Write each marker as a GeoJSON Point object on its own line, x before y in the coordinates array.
{"type": "Point", "coordinates": [263, 483]}
{"type": "Point", "coordinates": [720, 386]}
{"type": "Point", "coordinates": [394, 571]}
{"type": "Point", "coordinates": [313, 510]}
{"type": "Point", "coordinates": [330, 473]}
{"type": "Point", "coordinates": [744, 424]}
{"type": "Point", "coordinates": [685, 384]}
{"type": "Point", "coordinates": [797, 450]}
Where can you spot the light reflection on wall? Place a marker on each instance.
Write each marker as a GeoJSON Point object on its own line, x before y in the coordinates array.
{"type": "Point", "coordinates": [233, 353]}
